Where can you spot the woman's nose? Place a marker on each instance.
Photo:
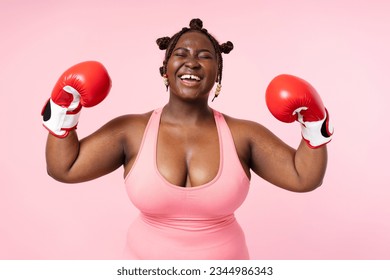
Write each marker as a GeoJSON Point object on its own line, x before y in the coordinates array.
{"type": "Point", "coordinates": [192, 62]}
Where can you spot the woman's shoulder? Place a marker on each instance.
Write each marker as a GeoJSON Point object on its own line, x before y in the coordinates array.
{"type": "Point", "coordinates": [125, 125]}
{"type": "Point", "coordinates": [132, 119]}
{"type": "Point", "coordinates": [243, 124]}
{"type": "Point", "coordinates": [247, 133]}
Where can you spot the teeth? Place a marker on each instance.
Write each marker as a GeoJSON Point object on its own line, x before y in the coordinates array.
{"type": "Point", "coordinates": [191, 77]}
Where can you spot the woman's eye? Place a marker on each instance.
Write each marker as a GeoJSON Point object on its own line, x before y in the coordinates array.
{"type": "Point", "coordinates": [205, 56]}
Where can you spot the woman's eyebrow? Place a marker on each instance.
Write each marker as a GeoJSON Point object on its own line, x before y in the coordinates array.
{"type": "Point", "coordinates": [198, 51]}
{"type": "Point", "coordinates": [181, 48]}
{"type": "Point", "coordinates": [205, 50]}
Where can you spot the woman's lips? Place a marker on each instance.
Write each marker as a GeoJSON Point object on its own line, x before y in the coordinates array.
{"type": "Point", "coordinates": [189, 79]}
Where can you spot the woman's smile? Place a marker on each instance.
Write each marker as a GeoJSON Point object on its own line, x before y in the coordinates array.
{"type": "Point", "coordinates": [190, 80]}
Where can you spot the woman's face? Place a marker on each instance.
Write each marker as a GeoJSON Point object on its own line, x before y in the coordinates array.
{"type": "Point", "coordinates": [192, 68]}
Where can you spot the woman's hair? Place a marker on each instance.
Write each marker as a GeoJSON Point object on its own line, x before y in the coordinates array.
{"type": "Point", "coordinates": [169, 43]}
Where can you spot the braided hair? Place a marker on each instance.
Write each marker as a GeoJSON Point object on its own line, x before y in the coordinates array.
{"type": "Point", "coordinates": [169, 43]}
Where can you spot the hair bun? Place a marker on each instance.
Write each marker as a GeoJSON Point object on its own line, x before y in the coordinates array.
{"type": "Point", "coordinates": [163, 42]}
{"type": "Point", "coordinates": [196, 24]}
{"type": "Point", "coordinates": [226, 47]}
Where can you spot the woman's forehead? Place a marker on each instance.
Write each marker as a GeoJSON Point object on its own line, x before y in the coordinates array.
{"type": "Point", "coordinates": [195, 39]}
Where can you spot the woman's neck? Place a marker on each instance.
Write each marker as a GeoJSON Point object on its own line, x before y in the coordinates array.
{"type": "Point", "coordinates": [187, 113]}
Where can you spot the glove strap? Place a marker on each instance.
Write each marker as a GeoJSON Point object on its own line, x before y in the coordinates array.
{"type": "Point", "coordinates": [58, 120]}
{"type": "Point", "coordinates": [318, 133]}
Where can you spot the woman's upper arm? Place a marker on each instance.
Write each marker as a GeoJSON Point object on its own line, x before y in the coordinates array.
{"type": "Point", "coordinates": [93, 156]}
{"type": "Point", "coordinates": [101, 152]}
{"type": "Point", "coordinates": [297, 170]}
{"type": "Point", "coordinates": [271, 158]}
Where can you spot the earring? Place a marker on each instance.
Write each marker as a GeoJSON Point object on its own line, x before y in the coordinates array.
{"type": "Point", "coordinates": [165, 80]}
{"type": "Point", "coordinates": [217, 91]}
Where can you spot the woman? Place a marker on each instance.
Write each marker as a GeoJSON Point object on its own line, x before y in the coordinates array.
{"type": "Point", "coordinates": [187, 167]}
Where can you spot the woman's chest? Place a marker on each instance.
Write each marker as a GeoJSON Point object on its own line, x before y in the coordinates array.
{"type": "Point", "coordinates": [190, 156]}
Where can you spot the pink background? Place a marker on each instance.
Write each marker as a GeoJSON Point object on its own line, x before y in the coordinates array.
{"type": "Point", "coordinates": [341, 47]}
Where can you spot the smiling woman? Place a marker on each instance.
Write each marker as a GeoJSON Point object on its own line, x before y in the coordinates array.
{"type": "Point", "coordinates": [187, 167]}
{"type": "Point", "coordinates": [208, 49]}
{"type": "Point", "coordinates": [192, 68]}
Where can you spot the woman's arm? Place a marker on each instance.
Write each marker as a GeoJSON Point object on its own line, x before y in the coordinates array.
{"type": "Point", "coordinates": [70, 160]}
{"type": "Point", "coordinates": [298, 170]}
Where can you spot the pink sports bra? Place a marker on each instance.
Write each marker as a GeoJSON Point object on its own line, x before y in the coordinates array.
{"type": "Point", "coordinates": [186, 223]}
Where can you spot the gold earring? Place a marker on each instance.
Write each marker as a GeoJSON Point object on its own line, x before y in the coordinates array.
{"type": "Point", "coordinates": [165, 80]}
{"type": "Point", "coordinates": [217, 91]}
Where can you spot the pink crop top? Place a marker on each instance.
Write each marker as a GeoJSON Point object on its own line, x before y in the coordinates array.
{"type": "Point", "coordinates": [186, 223]}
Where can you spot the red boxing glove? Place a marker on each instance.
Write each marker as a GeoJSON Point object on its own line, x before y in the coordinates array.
{"type": "Point", "coordinates": [84, 84]}
{"type": "Point", "coordinates": [290, 98]}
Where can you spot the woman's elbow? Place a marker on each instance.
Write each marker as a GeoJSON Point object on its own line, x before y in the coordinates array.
{"type": "Point", "coordinates": [308, 187]}
{"type": "Point", "coordinates": [59, 176]}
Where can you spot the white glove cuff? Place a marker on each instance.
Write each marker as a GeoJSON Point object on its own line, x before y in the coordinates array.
{"type": "Point", "coordinates": [60, 122]}
{"type": "Point", "coordinates": [317, 133]}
